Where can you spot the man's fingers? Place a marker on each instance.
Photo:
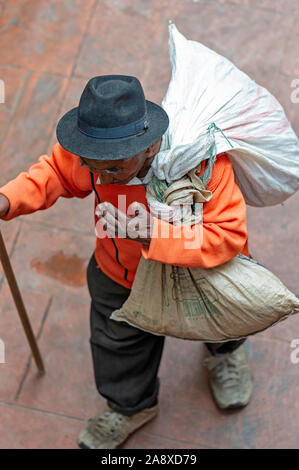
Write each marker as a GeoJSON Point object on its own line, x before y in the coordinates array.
{"type": "Point", "coordinates": [108, 221]}
{"type": "Point", "coordinates": [135, 209]}
{"type": "Point", "coordinates": [106, 208]}
{"type": "Point", "coordinates": [114, 223]}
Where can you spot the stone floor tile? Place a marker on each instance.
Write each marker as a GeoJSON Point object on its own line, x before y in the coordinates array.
{"type": "Point", "coordinates": [184, 379]}
{"type": "Point", "coordinates": [286, 425]}
{"type": "Point", "coordinates": [262, 356]}
{"type": "Point", "coordinates": [253, 40]}
{"type": "Point", "coordinates": [147, 441]}
{"type": "Point", "coordinates": [283, 331]}
{"type": "Point", "coordinates": [50, 260]}
{"type": "Point", "coordinates": [273, 239]}
{"type": "Point", "coordinates": [290, 63]}
{"type": "Point", "coordinates": [30, 429]}
{"type": "Point", "coordinates": [286, 377]}
{"type": "Point", "coordinates": [286, 7]}
{"type": "Point", "coordinates": [17, 350]}
{"type": "Point", "coordinates": [158, 79]}
{"type": "Point", "coordinates": [14, 80]}
{"type": "Point", "coordinates": [123, 38]}
{"type": "Point", "coordinates": [70, 100]}
{"type": "Point", "coordinates": [69, 381]}
{"type": "Point", "coordinates": [32, 123]}
{"type": "Point", "coordinates": [75, 215]}
{"type": "Point", "coordinates": [178, 421]}
{"type": "Point", "coordinates": [50, 33]}
{"type": "Point", "coordinates": [286, 90]}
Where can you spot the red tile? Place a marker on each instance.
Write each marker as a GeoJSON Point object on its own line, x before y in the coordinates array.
{"type": "Point", "coordinates": [286, 377]}
{"type": "Point", "coordinates": [29, 429]}
{"type": "Point", "coordinates": [74, 215]}
{"type": "Point", "coordinates": [290, 64]}
{"type": "Point", "coordinates": [50, 33]}
{"type": "Point", "coordinates": [123, 38]}
{"type": "Point", "coordinates": [49, 260]}
{"type": "Point", "coordinates": [181, 382]}
{"type": "Point", "coordinates": [70, 100]}
{"type": "Point", "coordinates": [256, 428]}
{"type": "Point", "coordinates": [64, 214]}
{"type": "Point", "coordinates": [32, 124]}
{"type": "Point", "coordinates": [68, 383]}
{"type": "Point", "coordinates": [14, 80]}
{"type": "Point", "coordinates": [286, 90]}
{"type": "Point", "coordinates": [273, 239]}
{"type": "Point", "coordinates": [262, 355]}
{"type": "Point", "coordinates": [129, 443]}
{"type": "Point", "coordinates": [180, 422]}
{"type": "Point", "coordinates": [283, 331]}
{"type": "Point", "coordinates": [147, 441]}
{"type": "Point", "coordinates": [17, 350]}
{"type": "Point", "coordinates": [231, 429]}
{"type": "Point", "coordinates": [96, 404]}
{"type": "Point", "coordinates": [158, 79]}
{"type": "Point", "coordinates": [279, 377]}
{"type": "Point", "coordinates": [286, 425]}
{"type": "Point", "coordinates": [286, 7]}
{"type": "Point", "coordinates": [253, 39]}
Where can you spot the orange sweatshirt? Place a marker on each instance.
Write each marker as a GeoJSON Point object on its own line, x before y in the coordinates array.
{"type": "Point", "coordinates": [224, 231]}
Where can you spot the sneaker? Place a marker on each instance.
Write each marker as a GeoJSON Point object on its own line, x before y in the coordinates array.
{"type": "Point", "coordinates": [110, 429]}
{"type": "Point", "coordinates": [230, 379]}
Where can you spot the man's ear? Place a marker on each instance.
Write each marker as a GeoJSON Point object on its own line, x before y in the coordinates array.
{"type": "Point", "coordinates": [150, 151]}
{"type": "Point", "coordinates": [153, 149]}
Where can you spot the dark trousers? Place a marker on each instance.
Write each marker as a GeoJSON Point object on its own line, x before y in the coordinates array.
{"type": "Point", "coordinates": [125, 359]}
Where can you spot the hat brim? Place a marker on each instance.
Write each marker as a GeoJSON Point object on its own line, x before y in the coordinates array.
{"type": "Point", "coordinates": [72, 139]}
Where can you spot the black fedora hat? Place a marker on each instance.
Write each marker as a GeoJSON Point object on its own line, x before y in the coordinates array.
{"type": "Point", "coordinates": [113, 120]}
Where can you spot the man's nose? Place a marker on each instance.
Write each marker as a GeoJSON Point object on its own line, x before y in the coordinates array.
{"type": "Point", "coordinates": [106, 178]}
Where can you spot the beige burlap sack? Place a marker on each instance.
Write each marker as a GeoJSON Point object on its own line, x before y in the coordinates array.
{"type": "Point", "coordinates": [231, 301]}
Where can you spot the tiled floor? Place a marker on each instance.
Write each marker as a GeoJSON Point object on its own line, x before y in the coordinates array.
{"type": "Point", "coordinates": [49, 49]}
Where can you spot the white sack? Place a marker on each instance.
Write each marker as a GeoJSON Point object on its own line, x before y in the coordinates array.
{"type": "Point", "coordinates": [207, 88]}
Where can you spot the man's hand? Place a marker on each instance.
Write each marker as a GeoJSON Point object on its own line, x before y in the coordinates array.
{"type": "Point", "coordinates": [137, 225]}
{"type": "Point", "coordinates": [4, 205]}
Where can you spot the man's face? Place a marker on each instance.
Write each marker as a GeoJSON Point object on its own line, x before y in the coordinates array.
{"type": "Point", "coordinates": [122, 171]}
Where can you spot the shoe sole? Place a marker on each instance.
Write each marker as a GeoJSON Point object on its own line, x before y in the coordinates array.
{"type": "Point", "coordinates": [233, 407]}
{"type": "Point", "coordinates": [83, 446]}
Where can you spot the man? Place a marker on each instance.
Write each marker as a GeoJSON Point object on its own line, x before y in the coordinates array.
{"type": "Point", "coordinates": [103, 146]}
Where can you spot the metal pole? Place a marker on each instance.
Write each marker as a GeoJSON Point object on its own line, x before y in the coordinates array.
{"type": "Point", "coordinates": [7, 268]}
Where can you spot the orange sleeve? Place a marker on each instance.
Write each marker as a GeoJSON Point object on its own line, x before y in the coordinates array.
{"type": "Point", "coordinates": [50, 178]}
{"type": "Point", "coordinates": [221, 236]}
